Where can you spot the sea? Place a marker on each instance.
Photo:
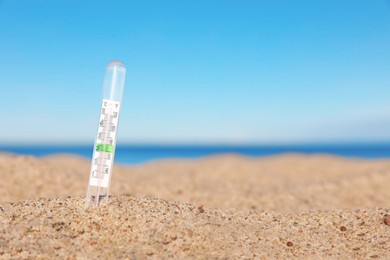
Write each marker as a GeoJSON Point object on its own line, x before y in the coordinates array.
{"type": "Point", "coordinates": [137, 154]}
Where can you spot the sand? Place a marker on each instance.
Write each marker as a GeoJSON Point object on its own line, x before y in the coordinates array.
{"type": "Point", "coordinates": [288, 206]}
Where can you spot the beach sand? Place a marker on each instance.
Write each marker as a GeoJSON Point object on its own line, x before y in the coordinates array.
{"type": "Point", "coordinates": [288, 206]}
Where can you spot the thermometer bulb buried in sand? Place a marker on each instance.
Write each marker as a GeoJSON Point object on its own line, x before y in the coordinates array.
{"type": "Point", "coordinates": [104, 148]}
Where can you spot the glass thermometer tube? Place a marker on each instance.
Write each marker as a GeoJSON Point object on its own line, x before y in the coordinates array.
{"type": "Point", "coordinates": [104, 148]}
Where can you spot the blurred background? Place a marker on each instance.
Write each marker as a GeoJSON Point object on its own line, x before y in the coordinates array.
{"type": "Point", "coordinates": [203, 77]}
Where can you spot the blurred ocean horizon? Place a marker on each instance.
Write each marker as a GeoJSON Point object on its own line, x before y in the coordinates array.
{"type": "Point", "coordinates": [135, 154]}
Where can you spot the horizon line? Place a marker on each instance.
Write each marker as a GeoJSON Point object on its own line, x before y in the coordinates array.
{"type": "Point", "coordinates": [204, 144]}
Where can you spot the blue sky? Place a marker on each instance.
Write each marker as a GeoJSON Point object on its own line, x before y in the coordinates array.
{"type": "Point", "coordinates": [233, 72]}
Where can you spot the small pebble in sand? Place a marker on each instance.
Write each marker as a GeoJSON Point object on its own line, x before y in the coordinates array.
{"type": "Point", "coordinates": [343, 228]}
{"type": "Point", "coordinates": [386, 220]}
{"type": "Point", "coordinates": [201, 209]}
{"type": "Point", "coordinates": [289, 244]}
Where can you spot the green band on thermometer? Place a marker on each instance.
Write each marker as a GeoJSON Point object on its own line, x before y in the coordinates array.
{"type": "Point", "coordinates": [108, 148]}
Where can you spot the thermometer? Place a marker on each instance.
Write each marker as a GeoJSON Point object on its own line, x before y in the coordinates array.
{"type": "Point", "coordinates": [104, 148]}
